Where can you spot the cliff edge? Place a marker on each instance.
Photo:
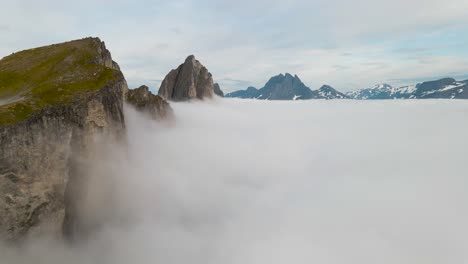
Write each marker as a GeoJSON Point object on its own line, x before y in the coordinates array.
{"type": "Point", "coordinates": [54, 102]}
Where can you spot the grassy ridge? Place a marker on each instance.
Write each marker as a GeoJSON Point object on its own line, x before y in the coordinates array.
{"type": "Point", "coordinates": [51, 75]}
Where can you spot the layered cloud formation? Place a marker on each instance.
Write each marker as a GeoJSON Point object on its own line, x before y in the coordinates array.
{"type": "Point", "coordinates": [240, 181]}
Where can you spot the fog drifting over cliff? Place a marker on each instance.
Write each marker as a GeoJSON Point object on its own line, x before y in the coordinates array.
{"type": "Point", "coordinates": [255, 182]}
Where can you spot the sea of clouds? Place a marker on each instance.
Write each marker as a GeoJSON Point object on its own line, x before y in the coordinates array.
{"type": "Point", "coordinates": [257, 182]}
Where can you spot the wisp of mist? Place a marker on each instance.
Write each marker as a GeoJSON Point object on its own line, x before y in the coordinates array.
{"type": "Point", "coordinates": [255, 182]}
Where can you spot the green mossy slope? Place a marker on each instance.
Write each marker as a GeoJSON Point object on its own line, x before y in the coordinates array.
{"type": "Point", "coordinates": [57, 74]}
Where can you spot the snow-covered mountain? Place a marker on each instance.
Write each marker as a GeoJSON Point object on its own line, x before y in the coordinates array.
{"type": "Point", "coordinates": [379, 91]}
{"type": "Point", "coordinates": [447, 88]}
{"type": "Point", "coordinates": [443, 88]}
{"type": "Point", "coordinates": [383, 91]}
{"type": "Point", "coordinates": [328, 92]}
{"type": "Point", "coordinates": [289, 87]}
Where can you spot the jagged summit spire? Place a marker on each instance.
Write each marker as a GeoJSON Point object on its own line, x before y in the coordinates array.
{"type": "Point", "coordinates": [190, 58]}
{"type": "Point", "coordinates": [189, 81]}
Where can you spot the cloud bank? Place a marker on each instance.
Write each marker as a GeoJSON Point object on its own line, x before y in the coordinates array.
{"type": "Point", "coordinates": [239, 181]}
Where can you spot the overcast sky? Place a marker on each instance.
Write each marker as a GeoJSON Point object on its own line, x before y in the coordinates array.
{"type": "Point", "coordinates": [346, 44]}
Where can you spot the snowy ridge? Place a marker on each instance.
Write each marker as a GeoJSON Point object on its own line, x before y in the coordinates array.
{"type": "Point", "coordinates": [444, 88]}
{"type": "Point", "coordinates": [328, 92]}
{"type": "Point", "coordinates": [404, 89]}
{"type": "Point", "coordinates": [457, 85]}
{"type": "Point", "coordinates": [288, 87]}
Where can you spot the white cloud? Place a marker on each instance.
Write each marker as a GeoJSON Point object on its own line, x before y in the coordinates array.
{"type": "Point", "coordinates": [240, 181]}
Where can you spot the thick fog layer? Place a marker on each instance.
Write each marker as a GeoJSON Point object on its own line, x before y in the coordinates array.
{"type": "Point", "coordinates": [254, 182]}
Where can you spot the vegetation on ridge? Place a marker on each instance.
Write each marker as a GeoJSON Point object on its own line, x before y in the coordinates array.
{"type": "Point", "coordinates": [33, 79]}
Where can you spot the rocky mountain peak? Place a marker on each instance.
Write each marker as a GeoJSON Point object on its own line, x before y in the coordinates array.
{"type": "Point", "coordinates": [328, 92]}
{"type": "Point", "coordinates": [326, 87]}
{"type": "Point", "coordinates": [287, 87]}
{"type": "Point", "coordinates": [191, 80]}
{"type": "Point", "coordinates": [218, 91]}
{"type": "Point", "coordinates": [282, 78]}
{"type": "Point", "coordinates": [143, 100]}
{"type": "Point", "coordinates": [190, 58]}
{"type": "Point", "coordinates": [283, 87]}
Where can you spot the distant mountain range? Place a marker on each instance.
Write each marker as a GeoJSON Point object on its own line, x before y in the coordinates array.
{"type": "Point", "coordinates": [288, 87]}
{"type": "Point", "coordinates": [447, 88]}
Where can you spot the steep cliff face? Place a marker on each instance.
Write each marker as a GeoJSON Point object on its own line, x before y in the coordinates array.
{"type": "Point", "coordinates": [218, 91]}
{"type": "Point", "coordinates": [145, 101]}
{"type": "Point", "coordinates": [58, 101]}
{"type": "Point", "coordinates": [189, 81]}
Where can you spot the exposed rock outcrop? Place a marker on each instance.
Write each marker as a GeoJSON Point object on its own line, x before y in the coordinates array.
{"type": "Point", "coordinates": [71, 96]}
{"type": "Point", "coordinates": [191, 80]}
{"type": "Point", "coordinates": [145, 101]}
{"type": "Point", "coordinates": [218, 91]}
